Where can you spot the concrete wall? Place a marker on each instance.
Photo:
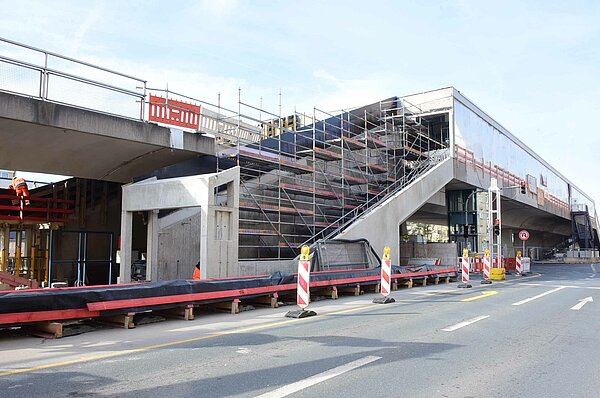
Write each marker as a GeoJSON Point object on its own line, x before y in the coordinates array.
{"type": "Point", "coordinates": [381, 226]}
{"type": "Point", "coordinates": [446, 252]}
{"type": "Point", "coordinates": [179, 248]}
{"type": "Point", "coordinates": [218, 226]}
{"type": "Point", "coordinates": [248, 267]}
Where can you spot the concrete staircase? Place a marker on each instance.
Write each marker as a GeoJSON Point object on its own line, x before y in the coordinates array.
{"type": "Point", "coordinates": [380, 224]}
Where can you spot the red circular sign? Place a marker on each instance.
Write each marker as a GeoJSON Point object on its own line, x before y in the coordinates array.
{"type": "Point", "coordinates": [524, 235]}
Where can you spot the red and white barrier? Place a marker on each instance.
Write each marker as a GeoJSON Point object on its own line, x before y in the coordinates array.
{"type": "Point", "coordinates": [519, 267]}
{"type": "Point", "coordinates": [386, 272]}
{"type": "Point", "coordinates": [477, 265]}
{"type": "Point", "coordinates": [465, 269]}
{"type": "Point", "coordinates": [486, 267]}
{"type": "Point", "coordinates": [303, 296]}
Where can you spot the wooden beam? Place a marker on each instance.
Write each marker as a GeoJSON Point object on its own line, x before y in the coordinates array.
{"type": "Point", "coordinates": [354, 290]}
{"type": "Point", "coordinates": [52, 330]}
{"type": "Point", "coordinates": [125, 321]}
{"type": "Point", "coordinates": [185, 313]}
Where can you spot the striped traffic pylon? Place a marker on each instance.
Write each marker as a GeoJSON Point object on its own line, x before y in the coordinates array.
{"type": "Point", "coordinates": [465, 269]}
{"type": "Point", "coordinates": [519, 265]}
{"type": "Point", "coordinates": [486, 268]}
{"type": "Point", "coordinates": [386, 278]}
{"type": "Point", "coordinates": [303, 297]}
{"type": "Point", "coordinates": [303, 286]}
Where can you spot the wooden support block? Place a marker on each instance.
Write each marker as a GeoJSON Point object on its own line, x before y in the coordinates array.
{"type": "Point", "coordinates": [48, 329]}
{"type": "Point", "coordinates": [424, 281]}
{"type": "Point", "coordinates": [185, 313]}
{"type": "Point", "coordinates": [124, 321]}
{"type": "Point", "coordinates": [395, 284]}
{"type": "Point", "coordinates": [233, 306]}
{"type": "Point", "coordinates": [447, 279]}
{"type": "Point", "coordinates": [436, 280]}
{"type": "Point", "coordinates": [410, 283]}
{"type": "Point", "coordinates": [328, 291]}
{"type": "Point", "coordinates": [271, 300]}
{"type": "Point", "coordinates": [355, 290]}
{"type": "Point", "coordinates": [334, 292]}
{"type": "Point", "coordinates": [370, 288]}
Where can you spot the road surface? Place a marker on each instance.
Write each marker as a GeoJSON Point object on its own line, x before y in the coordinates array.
{"type": "Point", "coordinates": [536, 336]}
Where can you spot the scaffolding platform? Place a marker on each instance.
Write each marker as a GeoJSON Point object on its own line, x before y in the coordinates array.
{"type": "Point", "coordinates": [320, 153]}
{"type": "Point", "coordinates": [274, 208]}
{"type": "Point", "coordinates": [309, 191]}
{"type": "Point", "coordinates": [372, 167]}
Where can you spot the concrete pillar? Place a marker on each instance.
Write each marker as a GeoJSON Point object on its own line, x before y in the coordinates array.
{"type": "Point", "coordinates": [205, 266]}
{"type": "Point", "coordinates": [395, 245]}
{"type": "Point", "coordinates": [126, 233]}
{"type": "Point", "coordinates": [152, 245]}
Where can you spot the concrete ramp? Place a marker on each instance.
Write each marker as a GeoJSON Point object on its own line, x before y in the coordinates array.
{"type": "Point", "coordinates": [380, 226]}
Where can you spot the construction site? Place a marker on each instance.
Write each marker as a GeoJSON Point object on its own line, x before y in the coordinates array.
{"type": "Point", "coordinates": [241, 191]}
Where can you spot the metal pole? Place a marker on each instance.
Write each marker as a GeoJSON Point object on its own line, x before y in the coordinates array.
{"type": "Point", "coordinates": [18, 254]}
{"type": "Point", "coordinates": [77, 282]}
{"type": "Point", "coordinates": [110, 257]}
{"type": "Point", "coordinates": [143, 104]}
{"type": "Point", "coordinates": [32, 263]}
{"type": "Point", "coordinates": [85, 236]}
{"type": "Point", "coordinates": [49, 270]}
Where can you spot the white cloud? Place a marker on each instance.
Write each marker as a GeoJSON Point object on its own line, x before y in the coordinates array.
{"type": "Point", "coordinates": [216, 8]}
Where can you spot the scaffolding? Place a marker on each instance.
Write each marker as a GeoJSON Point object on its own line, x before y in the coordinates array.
{"type": "Point", "coordinates": [306, 177]}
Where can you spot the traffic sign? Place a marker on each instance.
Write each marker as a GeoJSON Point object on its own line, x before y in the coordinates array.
{"type": "Point", "coordinates": [524, 235]}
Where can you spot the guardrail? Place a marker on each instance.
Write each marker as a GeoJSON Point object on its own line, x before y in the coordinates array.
{"type": "Point", "coordinates": [467, 158]}
{"type": "Point", "coordinates": [58, 78]}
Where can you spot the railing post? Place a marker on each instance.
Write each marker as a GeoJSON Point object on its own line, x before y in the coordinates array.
{"type": "Point", "coordinates": [143, 103]}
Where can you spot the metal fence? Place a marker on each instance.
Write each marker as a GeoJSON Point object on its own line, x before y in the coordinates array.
{"type": "Point", "coordinates": [37, 73]}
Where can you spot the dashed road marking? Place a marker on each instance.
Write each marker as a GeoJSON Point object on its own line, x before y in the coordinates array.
{"type": "Point", "coordinates": [465, 323]}
{"type": "Point", "coordinates": [540, 295]}
{"type": "Point", "coordinates": [482, 295]}
{"type": "Point", "coordinates": [318, 378]}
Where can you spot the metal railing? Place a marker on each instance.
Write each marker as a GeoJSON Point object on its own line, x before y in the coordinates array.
{"type": "Point", "coordinates": [58, 78]}
{"type": "Point", "coordinates": [339, 225]}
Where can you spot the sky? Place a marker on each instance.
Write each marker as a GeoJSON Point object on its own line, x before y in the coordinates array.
{"type": "Point", "coordinates": [533, 66]}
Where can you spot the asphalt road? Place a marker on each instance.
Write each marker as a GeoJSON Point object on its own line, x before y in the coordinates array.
{"type": "Point", "coordinates": [526, 337]}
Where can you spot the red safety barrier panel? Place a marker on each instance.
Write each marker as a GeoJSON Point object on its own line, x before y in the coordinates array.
{"type": "Point", "coordinates": [511, 263]}
{"type": "Point", "coordinates": [173, 112]}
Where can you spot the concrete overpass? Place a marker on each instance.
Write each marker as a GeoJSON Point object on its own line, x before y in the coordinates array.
{"type": "Point", "coordinates": [46, 137]}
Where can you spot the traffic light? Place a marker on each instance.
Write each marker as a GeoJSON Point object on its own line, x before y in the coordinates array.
{"type": "Point", "coordinates": [497, 227]}
{"type": "Point", "coordinates": [523, 187]}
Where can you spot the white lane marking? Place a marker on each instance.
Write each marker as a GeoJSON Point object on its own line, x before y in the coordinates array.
{"type": "Point", "coordinates": [243, 350]}
{"type": "Point", "coordinates": [465, 323]}
{"type": "Point", "coordinates": [565, 286]}
{"type": "Point", "coordinates": [318, 378]}
{"type": "Point", "coordinates": [540, 295]}
{"type": "Point", "coordinates": [581, 303]}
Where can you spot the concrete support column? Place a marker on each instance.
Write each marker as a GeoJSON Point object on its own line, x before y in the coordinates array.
{"type": "Point", "coordinates": [205, 267]}
{"type": "Point", "coordinates": [152, 244]}
{"type": "Point", "coordinates": [126, 233]}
